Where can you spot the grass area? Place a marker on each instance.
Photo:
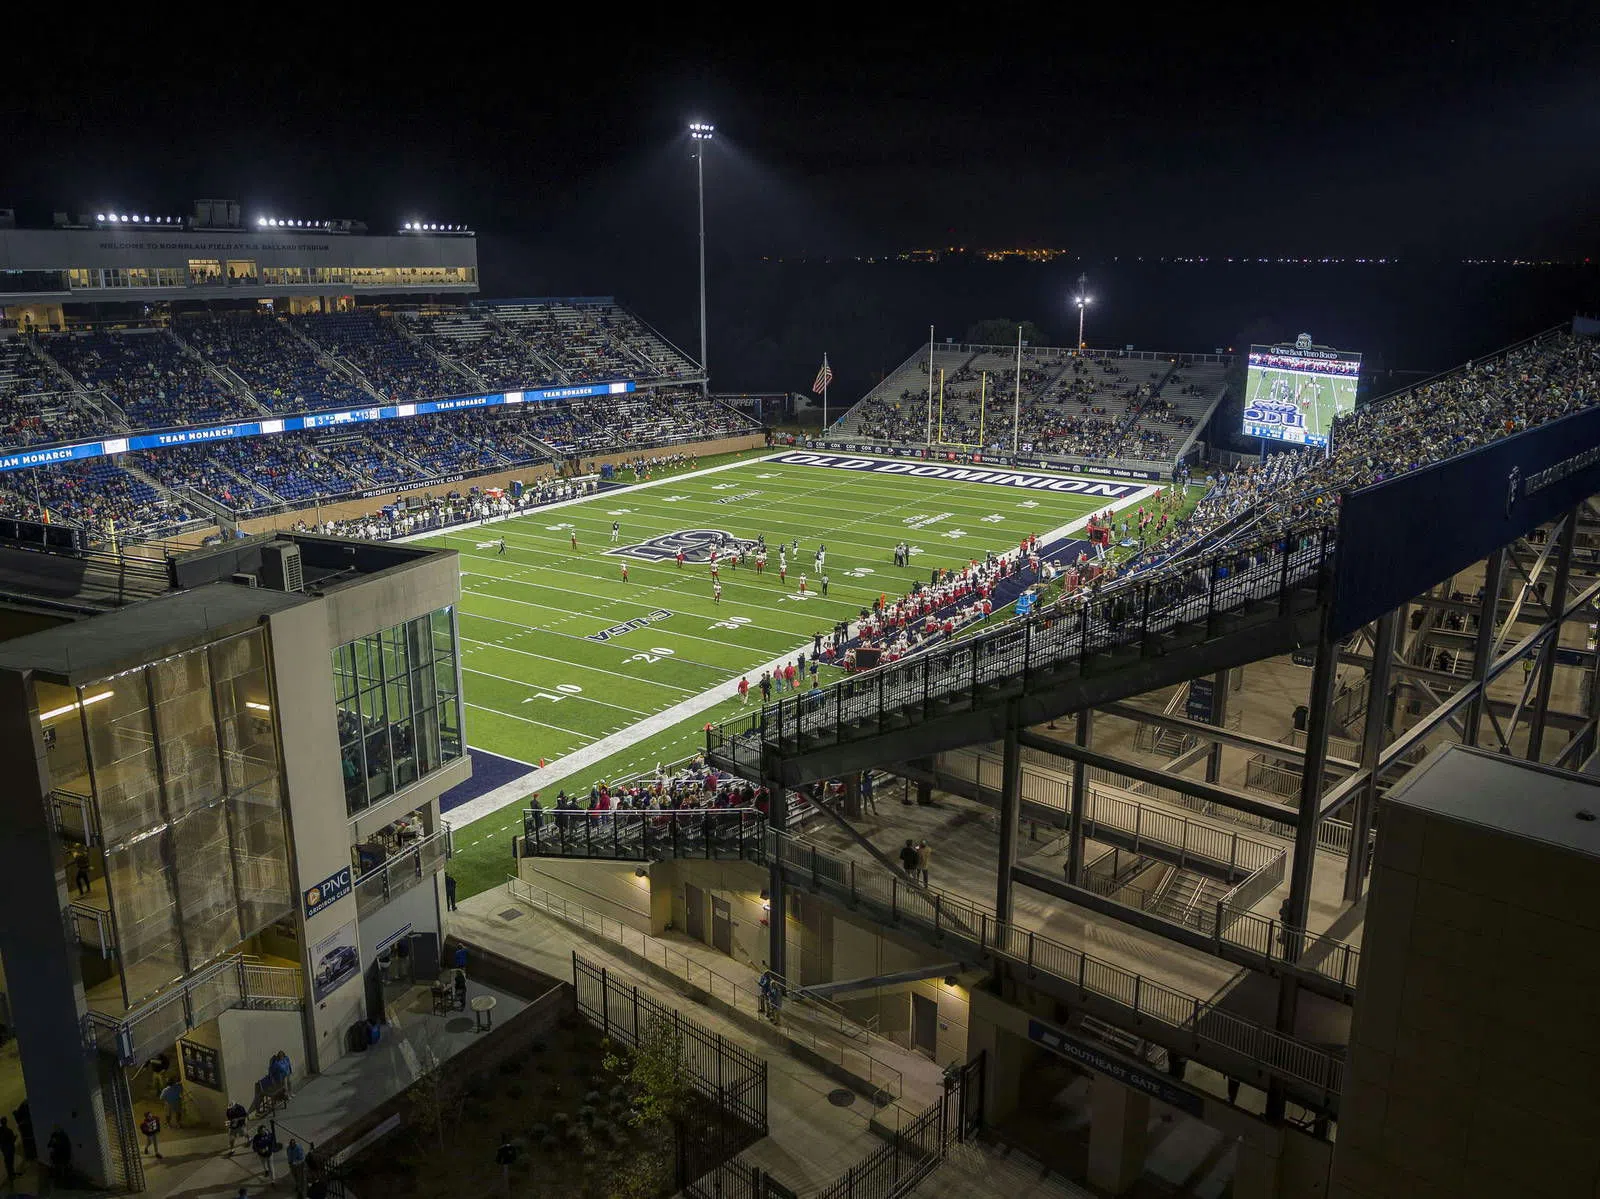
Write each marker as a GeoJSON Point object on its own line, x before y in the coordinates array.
{"type": "Point", "coordinates": [559, 652]}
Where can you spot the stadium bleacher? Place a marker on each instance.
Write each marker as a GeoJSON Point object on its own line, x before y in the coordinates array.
{"type": "Point", "coordinates": [155, 379]}
{"type": "Point", "coordinates": [1094, 407]}
{"type": "Point", "coordinates": [110, 503]}
{"type": "Point", "coordinates": [400, 368]}
{"type": "Point", "coordinates": [280, 368]}
{"type": "Point", "coordinates": [35, 407]}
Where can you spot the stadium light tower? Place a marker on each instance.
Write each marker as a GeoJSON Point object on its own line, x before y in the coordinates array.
{"type": "Point", "coordinates": [1083, 299]}
{"type": "Point", "coordinates": [700, 133]}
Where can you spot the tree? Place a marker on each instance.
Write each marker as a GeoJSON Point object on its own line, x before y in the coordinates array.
{"type": "Point", "coordinates": [999, 331]}
{"type": "Point", "coordinates": [437, 1095]}
{"type": "Point", "coordinates": [658, 1077]}
{"type": "Point", "coordinates": [658, 1074]}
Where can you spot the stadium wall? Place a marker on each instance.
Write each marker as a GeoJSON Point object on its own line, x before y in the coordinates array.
{"type": "Point", "coordinates": [528, 473]}
{"type": "Point", "coordinates": [1400, 537]}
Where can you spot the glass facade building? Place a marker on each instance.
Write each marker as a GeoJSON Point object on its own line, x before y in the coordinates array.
{"type": "Point", "coordinates": [398, 701]}
{"type": "Point", "coordinates": [177, 764]}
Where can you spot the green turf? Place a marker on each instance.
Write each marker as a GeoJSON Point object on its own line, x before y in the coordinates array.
{"type": "Point", "coordinates": [537, 687]}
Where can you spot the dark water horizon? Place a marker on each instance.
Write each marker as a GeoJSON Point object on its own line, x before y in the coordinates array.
{"type": "Point", "coordinates": [771, 322]}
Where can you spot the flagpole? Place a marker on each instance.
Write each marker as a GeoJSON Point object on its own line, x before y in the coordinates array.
{"type": "Point", "coordinates": [930, 385]}
{"type": "Point", "coordinates": [1016, 405]}
{"type": "Point", "coordinates": [983, 396]}
{"type": "Point", "coordinates": [941, 406]}
{"type": "Point", "coordinates": [827, 377]}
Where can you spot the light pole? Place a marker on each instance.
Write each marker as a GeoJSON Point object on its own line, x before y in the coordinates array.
{"type": "Point", "coordinates": [700, 133]}
{"type": "Point", "coordinates": [1082, 300]}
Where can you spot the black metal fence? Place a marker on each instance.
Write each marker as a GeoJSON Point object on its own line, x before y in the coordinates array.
{"type": "Point", "coordinates": [643, 835]}
{"type": "Point", "coordinates": [895, 1168]}
{"type": "Point", "coordinates": [730, 1077]}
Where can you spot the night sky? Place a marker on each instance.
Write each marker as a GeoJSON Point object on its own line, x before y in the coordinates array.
{"type": "Point", "coordinates": [1466, 131]}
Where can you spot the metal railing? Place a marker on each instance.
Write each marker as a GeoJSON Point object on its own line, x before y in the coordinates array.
{"type": "Point", "coordinates": [1123, 994]}
{"type": "Point", "coordinates": [1190, 839]}
{"type": "Point", "coordinates": [1332, 834]}
{"type": "Point", "coordinates": [722, 1070]}
{"type": "Point", "coordinates": [1012, 659]}
{"type": "Point", "coordinates": [231, 982]}
{"type": "Point", "coordinates": [1333, 959]}
{"type": "Point", "coordinates": [643, 834]}
{"type": "Point", "coordinates": [1164, 1012]}
{"type": "Point", "coordinates": [818, 1024]}
{"type": "Point", "coordinates": [92, 928]}
{"type": "Point", "coordinates": [404, 870]}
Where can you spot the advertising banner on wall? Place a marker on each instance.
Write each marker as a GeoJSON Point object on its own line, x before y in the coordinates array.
{"type": "Point", "coordinates": [329, 891]}
{"type": "Point", "coordinates": [335, 960]}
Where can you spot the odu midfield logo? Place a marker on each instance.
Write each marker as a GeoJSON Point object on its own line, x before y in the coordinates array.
{"type": "Point", "coordinates": [696, 545]}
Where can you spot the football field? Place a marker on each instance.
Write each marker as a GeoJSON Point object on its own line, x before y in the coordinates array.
{"type": "Point", "coordinates": [562, 657]}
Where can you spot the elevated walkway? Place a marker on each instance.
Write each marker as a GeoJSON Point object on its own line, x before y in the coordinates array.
{"type": "Point", "coordinates": [1185, 1023]}
{"type": "Point", "coordinates": [1232, 607]}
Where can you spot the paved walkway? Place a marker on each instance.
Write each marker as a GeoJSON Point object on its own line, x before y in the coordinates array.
{"type": "Point", "coordinates": [811, 1141]}
{"type": "Point", "coordinates": [195, 1164]}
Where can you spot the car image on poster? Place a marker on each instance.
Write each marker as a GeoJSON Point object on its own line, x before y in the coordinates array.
{"type": "Point", "coordinates": [334, 961]}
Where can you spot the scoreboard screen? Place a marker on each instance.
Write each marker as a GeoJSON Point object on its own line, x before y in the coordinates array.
{"type": "Point", "coordinates": [1293, 393]}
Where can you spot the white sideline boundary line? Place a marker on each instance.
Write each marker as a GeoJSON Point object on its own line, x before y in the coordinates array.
{"type": "Point", "coordinates": [559, 770]}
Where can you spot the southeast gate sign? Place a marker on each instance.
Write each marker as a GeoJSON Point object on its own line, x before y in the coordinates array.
{"type": "Point", "coordinates": [966, 474]}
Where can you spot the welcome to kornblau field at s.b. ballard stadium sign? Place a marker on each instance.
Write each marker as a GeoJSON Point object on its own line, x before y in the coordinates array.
{"type": "Point", "coordinates": [966, 474]}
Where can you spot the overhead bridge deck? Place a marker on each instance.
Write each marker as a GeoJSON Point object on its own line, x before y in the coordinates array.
{"type": "Point", "coordinates": [1235, 606]}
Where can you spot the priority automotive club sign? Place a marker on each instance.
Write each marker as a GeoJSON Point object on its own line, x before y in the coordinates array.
{"type": "Point", "coordinates": [965, 474]}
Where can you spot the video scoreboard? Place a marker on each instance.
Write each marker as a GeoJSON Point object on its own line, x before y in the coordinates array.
{"type": "Point", "coordinates": [1294, 392]}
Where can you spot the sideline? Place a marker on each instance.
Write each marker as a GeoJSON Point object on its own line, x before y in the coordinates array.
{"type": "Point", "coordinates": [623, 489]}
{"type": "Point", "coordinates": [559, 770]}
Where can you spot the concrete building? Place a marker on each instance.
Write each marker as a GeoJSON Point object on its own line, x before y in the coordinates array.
{"type": "Point", "coordinates": [223, 816]}
{"type": "Point", "coordinates": [1474, 1042]}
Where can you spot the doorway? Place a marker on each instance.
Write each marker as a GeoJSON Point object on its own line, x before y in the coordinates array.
{"type": "Point", "coordinates": [694, 911]}
{"type": "Point", "coordinates": [924, 1025]}
{"type": "Point", "coordinates": [721, 925]}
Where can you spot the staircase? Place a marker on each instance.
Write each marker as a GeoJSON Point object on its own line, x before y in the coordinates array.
{"type": "Point", "coordinates": [1191, 900]}
{"type": "Point", "coordinates": [107, 408]}
{"type": "Point", "coordinates": [342, 367]}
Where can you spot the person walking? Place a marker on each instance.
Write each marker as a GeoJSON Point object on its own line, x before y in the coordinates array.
{"type": "Point", "coordinates": [766, 686]}
{"type": "Point", "coordinates": [235, 1117]}
{"type": "Point", "coordinates": [450, 890]}
{"type": "Point", "coordinates": [172, 1096]}
{"type": "Point", "coordinates": [59, 1146]}
{"type": "Point", "coordinates": [624, 572]}
{"type": "Point", "coordinates": [151, 1127]}
{"type": "Point", "coordinates": [281, 1072]}
{"type": "Point", "coordinates": [744, 690]}
{"type": "Point", "coordinates": [295, 1155]}
{"type": "Point", "coordinates": [924, 852]}
{"type": "Point", "coordinates": [264, 1144]}
{"type": "Point", "coordinates": [908, 858]}
{"type": "Point", "coordinates": [8, 1149]}
{"type": "Point", "coordinates": [502, 552]}
{"type": "Point", "coordinates": [80, 869]}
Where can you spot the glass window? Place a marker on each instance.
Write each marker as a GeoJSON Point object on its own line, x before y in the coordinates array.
{"type": "Point", "coordinates": [122, 755]}
{"type": "Point", "coordinates": [187, 729]}
{"type": "Point", "coordinates": [398, 712]}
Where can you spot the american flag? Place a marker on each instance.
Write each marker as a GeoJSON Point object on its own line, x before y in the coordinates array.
{"type": "Point", "coordinates": [824, 377]}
